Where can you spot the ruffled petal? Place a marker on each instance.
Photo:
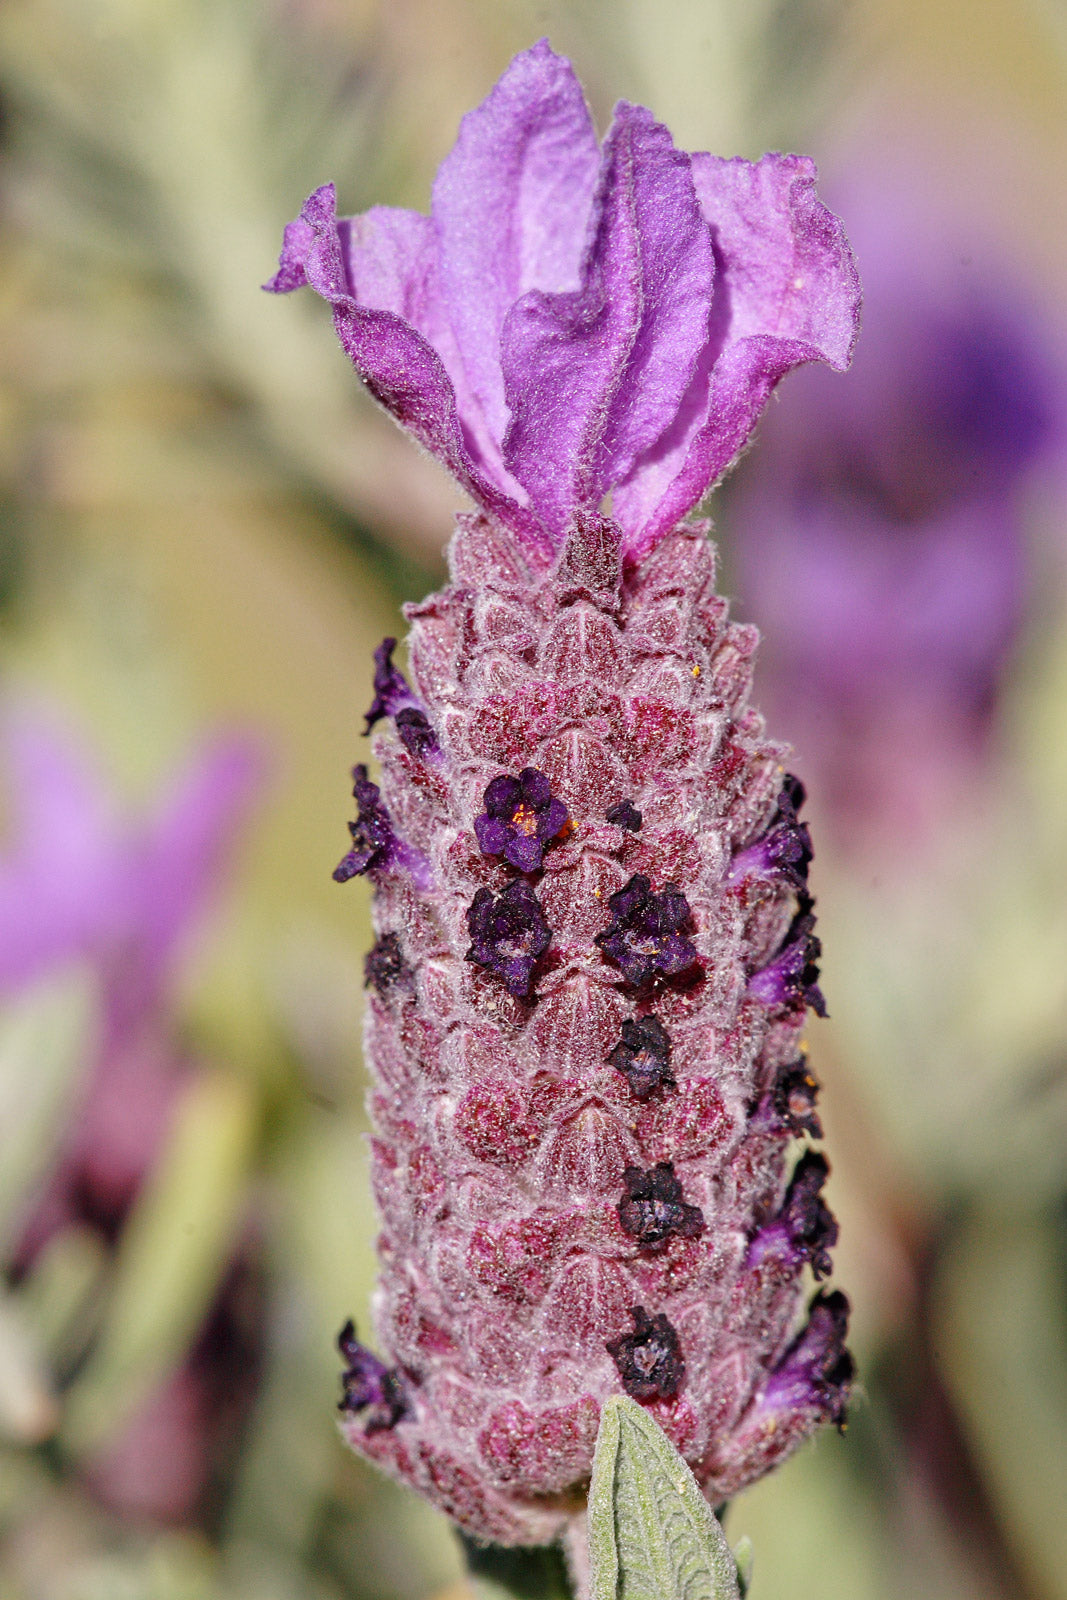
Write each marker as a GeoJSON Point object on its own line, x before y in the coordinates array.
{"type": "Point", "coordinates": [511, 208]}
{"type": "Point", "coordinates": [387, 255]}
{"type": "Point", "coordinates": [594, 377]}
{"type": "Point", "coordinates": [787, 292]}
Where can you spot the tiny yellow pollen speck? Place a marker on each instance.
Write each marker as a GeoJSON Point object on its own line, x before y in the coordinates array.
{"type": "Point", "coordinates": [696, 672]}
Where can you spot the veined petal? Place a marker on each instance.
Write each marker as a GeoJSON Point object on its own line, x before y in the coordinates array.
{"type": "Point", "coordinates": [396, 361]}
{"type": "Point", "coordinates": [512, 208]}
{"type": "Point", "coordinates": [787, 292]}
{"type": "Point", "coordinates": [594, 377]}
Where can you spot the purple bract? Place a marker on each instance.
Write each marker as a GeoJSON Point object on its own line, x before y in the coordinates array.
{"type": "Point", "coordinates": [571, 322]}
{"type": "Point", "coordinates": [120, 899]}
{"type": "Point", "coordinates": [585, 1083]}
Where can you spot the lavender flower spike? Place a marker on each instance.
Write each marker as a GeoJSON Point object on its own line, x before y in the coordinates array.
{"type": "Point", "coordinates": [585, 1010]}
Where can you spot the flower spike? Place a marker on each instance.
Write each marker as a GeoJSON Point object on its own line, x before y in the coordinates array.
{"type": "Point", "coordinates": [595, 941]}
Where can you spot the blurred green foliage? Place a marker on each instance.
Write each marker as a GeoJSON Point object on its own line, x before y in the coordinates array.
{"type": "Point", "coordinates": [204, 522]}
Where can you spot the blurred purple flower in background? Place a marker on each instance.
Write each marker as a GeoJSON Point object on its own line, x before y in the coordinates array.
{"type": "Point", "coordinates": [80, 883]}
{"type": "Point", "coordinates": [83, 884]}
{"type": "Point", "coordinates": [878, 532]}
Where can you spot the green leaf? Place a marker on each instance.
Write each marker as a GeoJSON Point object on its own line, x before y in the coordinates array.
{"type": "Point", "coordinates": [516, 1574]}
{"type": "Point", "coordinates": [743, 1559]}
{"type": "Point", "coordinates": [173, 1253]}
{"type": "Point", "coordinates": [47, 1040]}
{"type": "Point", "coordinates": [652, 1535]}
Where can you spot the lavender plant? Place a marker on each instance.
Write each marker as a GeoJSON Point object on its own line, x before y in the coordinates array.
{"type": "Point", "coordinates": [596, 941]}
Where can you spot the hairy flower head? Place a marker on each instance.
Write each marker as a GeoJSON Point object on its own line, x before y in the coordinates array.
{"type": "Point", "coordinates": [595, 944]}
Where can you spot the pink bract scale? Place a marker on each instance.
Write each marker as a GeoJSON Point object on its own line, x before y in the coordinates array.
{"type": "Point", "coordinates": [595, 939]}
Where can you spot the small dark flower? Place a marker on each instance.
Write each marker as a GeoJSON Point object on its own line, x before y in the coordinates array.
{"type": "Point", "coordinates": [368, 1382]}
{"type": "Point", "coordinates": [652, 1207]}
{"type": "Point", "coordinates": [649, 1359]}
{"type": "Point", "coordinates": [643, 937]}
{"type": "Point", "coordinates": [785, 849]}
{"type": "Point", "coordinates": [816, 1372]}
{"type": "Point", "coordinates": [643, 1056]}
{"type": "Point", "coordinates": [392, 692]}
{"type": "Point", "coordinates": [415, 732]}
{"type": "Point", "coordinates": [625, 815]}
{"type": "Point", "coordinates": [384, 966]}
{"type": "Point", "coordinates": [509, 934]}
{"type": "Point", "coordinates": [805, 1229]}
{"type": "Point", "coordinates": [793, 1099]}
{"type": "Point", "coordinates": [792, 978]}
{"type": "Point", "coordinates": [375, 844]}
{"type": "Point", "coordinates": [373, 839]}
{"type": "Point", "coordinates": [519, 819]}
{"type": "Point", "coordinates": [395, 698]}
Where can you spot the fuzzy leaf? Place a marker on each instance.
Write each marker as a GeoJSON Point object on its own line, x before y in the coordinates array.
{"type": "Point", "coordinates": [743, 1559]}
{"type": "Point", "coordinates": [173, 1253]}
{"type": "Point", "coordinates": [47, 1038]}
{"type": "Point", "coordinates": [652, 1535]}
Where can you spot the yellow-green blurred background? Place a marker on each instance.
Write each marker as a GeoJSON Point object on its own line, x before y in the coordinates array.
{"type": "Point", "coordinates": [206, 524]}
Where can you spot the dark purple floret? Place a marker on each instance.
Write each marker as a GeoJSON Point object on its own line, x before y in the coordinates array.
{"type": "Point", "coordinates": [392, 691]}
{"type": "Point", "coordinates": [625, 815]}
{"type": "Point", "coordinates": [649, 1359]}
{"type": "Point", "coordinates": [652, 1207]}
{"type": "Point", "coordinates": [394, 697]}
{"type": "Point", "coordinates": [792, 978]}
{"type": "Point", "coordinates": [643, 1056]}
{"type": "Point", "coordinates": [368, 1382]}
{"type": "Point", "coordinates": [415, 732]}
{"type": "Point", "coordinates": [509, 934]}
{"type": "Point", "coordinates": [384, 967]}
{"type": "Point", "coordinates": [793, 1099]}
{"type": "Point", "coordinates": [375, 844]}
{"type": "Point", "coordinates": [520, 817]}
{"type": "Point", "coordinates": [804, 1229]}
{"type": "Point", "coordinates": [373, 839]}
{"type": "Point", "coordinates": [643, 937]}
{"type": "Point", "coordinates": [816, 1372]}
{"type": "Point", "coordinates": [785, 849]}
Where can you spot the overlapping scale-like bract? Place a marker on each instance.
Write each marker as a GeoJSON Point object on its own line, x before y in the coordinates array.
{"type": "Point", "coordinates": [509, 1130]}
